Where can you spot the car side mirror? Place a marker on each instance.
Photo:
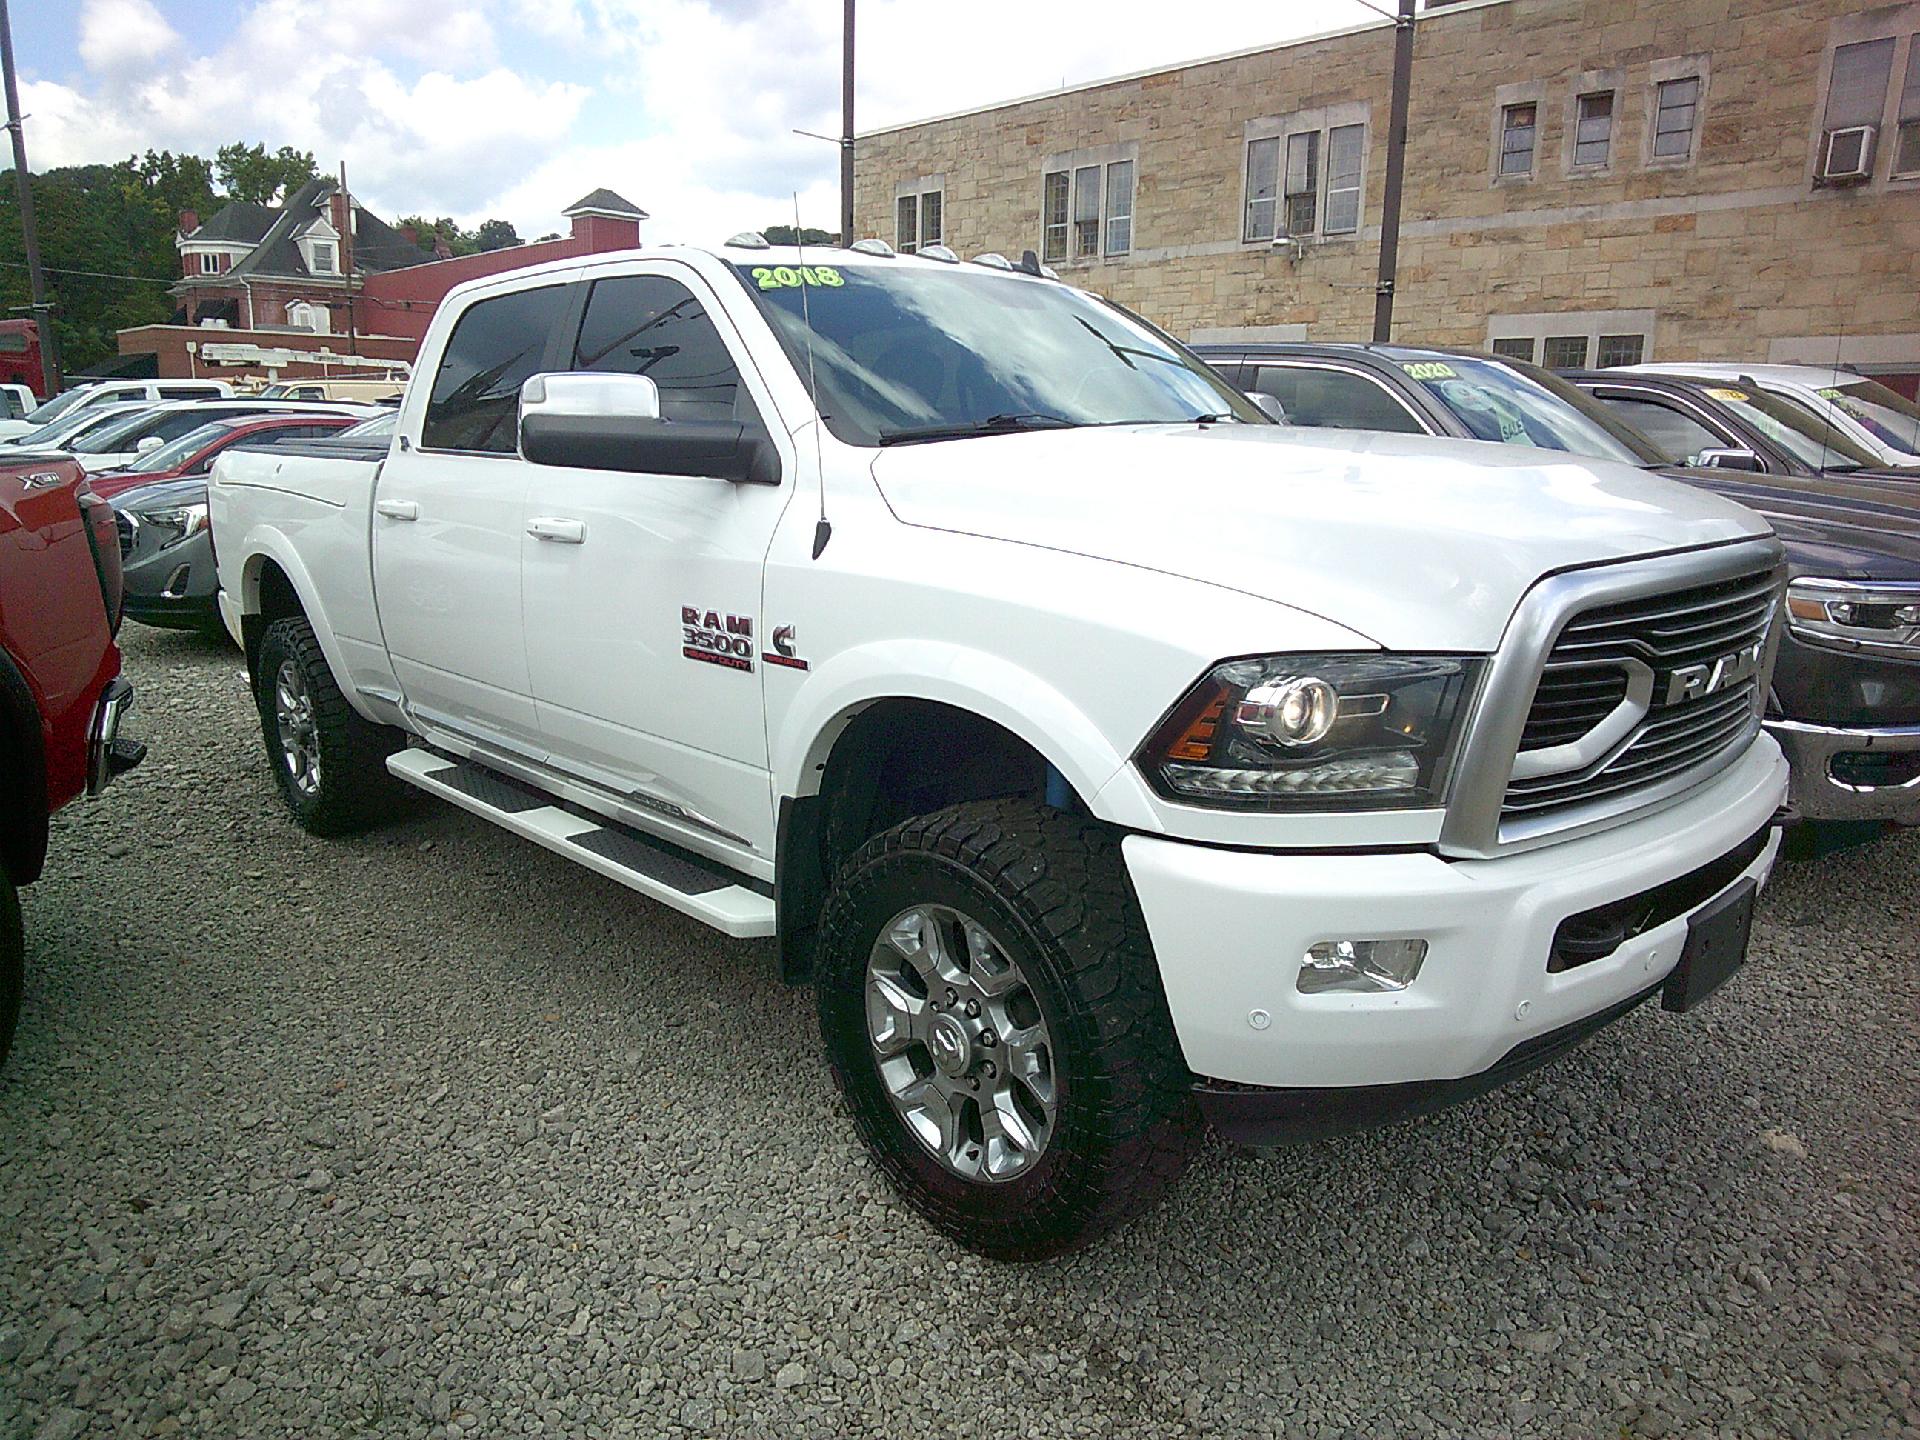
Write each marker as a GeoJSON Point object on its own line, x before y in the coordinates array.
{"type": "Point", "coordinates": [1268, 405]}
{"type": "Point", "coordinates": [594, 421]}
{"type": "Point", "coordinates": [1729, 458]}
{"type": "Point", "coordinates": [146, 443]}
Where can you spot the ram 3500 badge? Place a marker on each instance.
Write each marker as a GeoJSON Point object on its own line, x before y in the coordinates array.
{"type": "Point", "coordinates": [1434, 788]}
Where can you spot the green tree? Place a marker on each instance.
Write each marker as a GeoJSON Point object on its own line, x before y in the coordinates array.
{"type": "Point", "coordinates": [251, 172]}
{"type": "Point", "coordinates": [496, 235]}
{"type": "Point", "coordinates": [785, 235]}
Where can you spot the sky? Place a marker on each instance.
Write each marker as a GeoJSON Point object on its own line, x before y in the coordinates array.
{"type": "Point", "coordinates": [515, 108]}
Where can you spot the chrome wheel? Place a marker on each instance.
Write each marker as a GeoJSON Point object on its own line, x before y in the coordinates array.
{"type": "Point", "coordinates": [960, 1043]}
{"type": "Point", "coordinates": [299, 737]}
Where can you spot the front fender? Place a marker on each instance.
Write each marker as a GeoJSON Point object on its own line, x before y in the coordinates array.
{"type": "Point", "coordinates": [967, 679]}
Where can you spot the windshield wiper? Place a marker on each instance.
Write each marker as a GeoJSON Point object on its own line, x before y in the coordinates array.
{"type": "Point", "coordinates": [1003, 424]}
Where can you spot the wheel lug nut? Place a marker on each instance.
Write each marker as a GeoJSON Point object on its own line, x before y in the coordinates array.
{"type": "Point", "coordinates": [973, 1007]}
{"type": "Point", "coordinates": [989, 1039]}
{"type": "Point", "coordinates": [953, 996]}
{"type": "Point", "coordinates": [988, 1070]}
{"type": "Point", "coordinates": [973, 1082]}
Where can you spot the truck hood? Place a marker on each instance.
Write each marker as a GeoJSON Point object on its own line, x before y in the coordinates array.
{"type": "Point", "coordinates": [1844, 527]}
{"type": "Point", "coordinates": [1414, 543]}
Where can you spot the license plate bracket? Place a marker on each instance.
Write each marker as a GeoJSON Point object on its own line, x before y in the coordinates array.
{"type": "Point", "coordinates": [1717, 938]}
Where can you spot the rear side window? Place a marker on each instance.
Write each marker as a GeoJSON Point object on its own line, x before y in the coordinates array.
{"type": "Point", "coordinates": [650, 325]}
{"type": "Point", "coordinates": [186, 392]}
{"type": "Point", "coordinates": [495, 346]}
{"type": "Point", "coordinates": [1335, 400]}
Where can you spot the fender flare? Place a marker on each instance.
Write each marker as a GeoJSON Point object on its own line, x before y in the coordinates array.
{"type": "Point", "coordinates": [264, 543]}
{"type": "Point", "coordinates": [976, 681]}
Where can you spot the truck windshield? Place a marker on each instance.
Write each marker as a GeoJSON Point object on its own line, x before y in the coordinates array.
{"type": "Point", "coordinates": [1514, 403]}
{"type": "Point", "coordinates": [1887, 415]}
{"type": "Point", "coordinates": [923, 350]}
{"type": "Point", "coordinates": [59, 405]}
{"type": "Point", "coordinates": [1795, 429]}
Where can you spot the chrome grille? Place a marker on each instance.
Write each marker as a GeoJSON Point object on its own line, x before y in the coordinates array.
{"type": "Point", "coordinates": [1583, 680]}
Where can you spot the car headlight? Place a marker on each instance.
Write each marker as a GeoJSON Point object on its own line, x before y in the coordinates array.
{"type": "Point", "coordinates": [1314, 732]}
{"type": "Point", "coordinates": [1856, 614]}
{"type": "Point", "coordinates": [175, 522]}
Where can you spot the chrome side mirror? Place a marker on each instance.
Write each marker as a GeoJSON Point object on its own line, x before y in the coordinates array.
{"type": "Point", "coordinates": [147, 443]}
{"type": "Point", "coordinates": [1268, 405]}
{"type": "Point", "coordinates": [1729, 458]}
{"type": "Point", "coordinates": [605, 396]}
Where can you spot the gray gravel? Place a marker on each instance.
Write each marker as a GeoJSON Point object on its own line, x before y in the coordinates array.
{"type": "Point", "coordinates": [431, 1133]}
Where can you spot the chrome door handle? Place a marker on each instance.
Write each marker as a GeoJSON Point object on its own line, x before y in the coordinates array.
{"type": "Point", "coordinates": [397, 509]}
{"type": "Point", "coordinates": [561, 532]}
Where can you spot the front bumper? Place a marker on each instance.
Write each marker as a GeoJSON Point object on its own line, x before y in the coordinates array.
{"type": "Point", "coordinates": [1817, 751]}
{"type": "Point", "coordinates": [1230, 928]}
{"type": "Point", "coordinates": [109, 754]}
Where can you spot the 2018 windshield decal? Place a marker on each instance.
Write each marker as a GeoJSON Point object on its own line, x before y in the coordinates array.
{"type": "Point", "coordinates": [780, 277]}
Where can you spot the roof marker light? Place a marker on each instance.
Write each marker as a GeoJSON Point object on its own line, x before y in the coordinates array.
{"type": "Point", "coordinates": [940, 253]}
{"type": "Point", "coordinates": [993, 259]}
{"type": "Point", "coordinates": [872, 245]}
{"type": "Point", "coordinates": [748, 240]}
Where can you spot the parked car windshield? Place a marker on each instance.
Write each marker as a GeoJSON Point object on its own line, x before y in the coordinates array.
{"type": "Point", "coordinates": [178, 452]}
{"type": "Point", "coordinates": [1886, 414]}
{"type": "Point", "coordinates": [921, 350]}
{"type": "Point", "coordinates": [381, 427]}
{"type": "Point", "coordinates": [1514, 403]}
{"type": "Point", "coordinates": [59, 405]}
{"type": "Point", "coordinates": [1795, 429]}
{"type": "Point", "coordinates": [57, 435]}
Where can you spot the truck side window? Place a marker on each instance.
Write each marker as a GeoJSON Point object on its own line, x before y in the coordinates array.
{"type": "Point", "coordinates": [1335, 400]}
{"type": "Point", "coordinates": [494, 347]}
{"type": "Point", "coordinates": [1676, 435]}
{"type": "Point", "coordinates": [650, 325]}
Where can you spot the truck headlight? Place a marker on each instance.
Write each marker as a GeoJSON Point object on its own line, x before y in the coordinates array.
{"type": "Point", "coordinates": [1314, 732]}
{"type": "Point", "coordinates": [175, 522]}
{"type": "Point", "coordinates": [1856, 614]}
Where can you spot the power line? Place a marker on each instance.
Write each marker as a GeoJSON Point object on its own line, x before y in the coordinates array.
{"type": "Point", "coordinates": [96, 274]}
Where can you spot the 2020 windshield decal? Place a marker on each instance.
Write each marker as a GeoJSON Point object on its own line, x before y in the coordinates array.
{"type": "Point", "coordinates": [780, 277]}
{"type": "Point", "coordinates": [1428, 370]}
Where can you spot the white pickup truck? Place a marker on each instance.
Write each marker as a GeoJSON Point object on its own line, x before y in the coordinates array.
{"type": "Point", "coordinates": [1108, 758]}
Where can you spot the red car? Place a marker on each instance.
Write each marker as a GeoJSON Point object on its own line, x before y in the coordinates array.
{"type": "Point", "coordinates": [61, 695]}
{"type": "Point", "coordinates": [193, 453]}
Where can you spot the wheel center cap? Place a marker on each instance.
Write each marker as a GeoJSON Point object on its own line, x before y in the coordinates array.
{"type": "Point", "coordinates": [951, 1049]}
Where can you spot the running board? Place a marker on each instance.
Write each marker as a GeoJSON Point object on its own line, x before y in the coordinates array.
{"type": "Point", "coordinates": [661, 871]}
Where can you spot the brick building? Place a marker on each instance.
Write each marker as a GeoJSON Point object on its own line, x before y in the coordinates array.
{"type": "Point", "coordinates": [1585, 183]}
{"type": "Point", "coordinates": [318, 283]}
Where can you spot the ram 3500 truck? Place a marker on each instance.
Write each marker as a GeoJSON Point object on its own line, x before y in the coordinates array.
{"type": "Point", "coordinates": [1108, 759]}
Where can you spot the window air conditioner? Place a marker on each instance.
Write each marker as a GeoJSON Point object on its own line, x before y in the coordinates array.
{"type": "Point", "coordinates": [1847, 157]}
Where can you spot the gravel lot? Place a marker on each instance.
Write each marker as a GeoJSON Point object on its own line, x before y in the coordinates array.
{"type": "Point", "coordinates": [432, 1133]}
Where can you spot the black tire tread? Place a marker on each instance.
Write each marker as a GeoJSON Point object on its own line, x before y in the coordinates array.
{"type": "Point", "coordinates": [356, 788]}
{"type": "Point", "coordinates": [1064, 877]}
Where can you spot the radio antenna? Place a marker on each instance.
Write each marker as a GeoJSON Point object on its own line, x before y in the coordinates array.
{"type": "Point", "coordinates": [822, 530]}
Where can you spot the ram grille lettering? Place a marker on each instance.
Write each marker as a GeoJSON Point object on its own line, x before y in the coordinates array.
{"type": "Point", "coordinates": [1710, 677]}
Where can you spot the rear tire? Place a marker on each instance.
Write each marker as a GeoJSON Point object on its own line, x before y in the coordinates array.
{"type": "Point", "coordinates": [13, 963]}
{"type": "Point", "coordinates": [994, 1018]}
{"type": "Point", "coordinates": [329, 764]}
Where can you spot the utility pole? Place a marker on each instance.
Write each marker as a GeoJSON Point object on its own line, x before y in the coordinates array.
{"type": "Point", "coordinates": [846, 126]}
{"type": "Point", "coordinates": [1396, 165]}
{"type": "Point", "coordinates": [36, 278]}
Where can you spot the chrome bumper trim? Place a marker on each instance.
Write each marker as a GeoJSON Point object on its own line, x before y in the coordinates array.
{"type": "Point", "coordinates": [1815, 794]}
{"type": "Point", "coordinates": [108, 711]}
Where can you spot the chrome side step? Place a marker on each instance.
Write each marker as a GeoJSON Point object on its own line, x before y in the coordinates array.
{"type": "Point", "coordinates": [709, 892]}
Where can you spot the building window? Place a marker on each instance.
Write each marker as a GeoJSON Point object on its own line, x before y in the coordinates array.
{"type": "Point", "coordinates": [1676, 110]}
{"type": "Point", "coordinates": [1514, 349]}
{"type": "Point", "coordinates": [1263, 189]}
{"type": "Point", "coordinates": [906, 224]}
{"type": "Point", "coordinates": [1084, 205]}
{"type": "Point", "coordinates": [919, 220]}
{"type": "Point", "coordinates": [1346, 144]}
{"type": "Point", "coordinates": [1621, 350]}
{"type": "Point", "coordinates": [1856, 100]}
{"type": "Point", "coordinates": [209, 263]}
{"type": "Point", "coordinates": [932, 217]}
{"type": "Point", "coordinates": [1120, 207]}
{"type": "Point", "coordinates": [1566, 352]}
{"type": "Point", "coordinates": [1518, 126]}
{"type": "Point", "coordinates": [1593, 130]}
{"type": "Point", "coordinates": [1053, 240]}
{"type": "Point", "coordinates": [323, 258]}
{"type": "Point", "coordinates": [1302, 192]}
{"type": "Point", "coordinates": [1906, 150]}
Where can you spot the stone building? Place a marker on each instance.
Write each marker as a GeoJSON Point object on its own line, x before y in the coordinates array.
{"type": "Point", "coordinates": [1587, 181]}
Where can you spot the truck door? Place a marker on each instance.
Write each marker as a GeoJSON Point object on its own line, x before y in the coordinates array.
{"type": "Point", "coordinates": [447, 526]}
{"type": "Point", "coordinates": [642, 592]}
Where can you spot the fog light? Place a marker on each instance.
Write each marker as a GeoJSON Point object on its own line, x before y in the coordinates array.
{"type": "Point", "coordinates": [1360, 966]}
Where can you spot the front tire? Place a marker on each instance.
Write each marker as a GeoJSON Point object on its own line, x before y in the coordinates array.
{"type": "Point", "coordinates": [994, 1018]}
{"type": "Point", "coordinates": [330, 764]}
{"type": "Point", "coordinates": [13, 963]}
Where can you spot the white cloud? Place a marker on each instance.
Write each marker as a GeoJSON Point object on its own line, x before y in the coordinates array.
{"type": "Point", "coordinates": [121, 36]}
{"type": "Point", "coordinates": [516, 107]}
